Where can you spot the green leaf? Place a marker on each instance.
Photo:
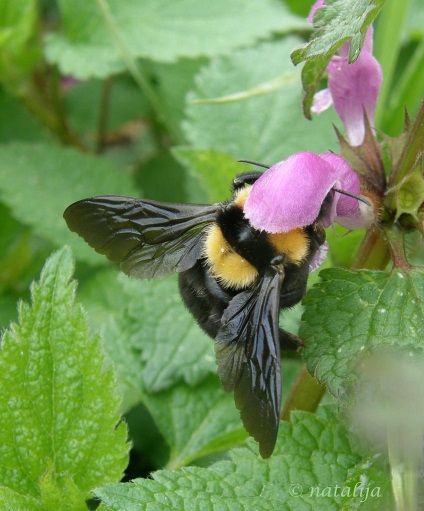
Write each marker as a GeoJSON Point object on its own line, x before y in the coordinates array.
{"type": "Point", "coordinates": [172, 346]}
{"type": "Point", "coordinates": [14, 256]}
{"type": "Point", "coordinates": [11, 500]}
{"type": "Point", "coordinates": [163, 178]}
{"type": "Point", "coordinates": [170, 374]}
{"type": "Point", "coordinates": [214, 171]}
{"type": "Point", "coordinates": [16, 123]}
{"type": "Point", "coordinates": [196, 421]}
{"type": "Point", "coordinates": [59, 431]}
{"type": "Point", "coordinates": [373, 478]}
{"type": "Point", "coordinates": [300, 7]}
{"type": "Point", "coordinates": [343, 245]}
{"type": "Point", "coordinates": [7, 310]}
{"type": "Point", "coordinates": [103, 298]}
{"type": "Point", "coordinates": [201, 420]}
{"type": "Point", "coordinates": [338, 22]}
{"type": "Point", "coordinates": [351, 313]}
{"type": "Point", "coordinates": [407, 94]}
{"type": "Point", "coordinates": [83, 103]}
{"type": "Point", "coordinates": [312, 452]}
{"type": "Point", "coordinates": [18, 20]}
{"type": "Point", "coordinates": [253, 112]}
{"type": "Point", "coordinates": [38, 181]}
{"type": "Point", "coordinates": [93, 46]}
{"type": "Point", "coordinates": [149, 319]}
{"type": "Point", "coordinates": [22, 257]}
{"type": "Point", "coordinates": [415, 19]}
{"type": "Point", "coordinates": [172, 82]}
{"type": "Point", "coordinates": [388, 43]}
{"type": "Point", "coordinates": [139, 323]}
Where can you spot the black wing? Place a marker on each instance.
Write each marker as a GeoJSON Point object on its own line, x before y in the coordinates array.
{"type": "Point", "coordinates": [149, 239]}
{"type": "Point", "coordinates": [248, 357]}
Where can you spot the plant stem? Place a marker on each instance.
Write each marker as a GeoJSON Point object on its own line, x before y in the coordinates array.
{"type": "Point", "coordinates": [397, 247]}
{"type": "Point", "coordinates": [103, 113]}
{"type": "Point", "coordinates": [134, 68]}
{"type": "Point", "coordinates": [404, 467]}
{"type": "Point", "coordinates": [306, 394]}
{"type": "Point", "coordinates": [36, 104]}
{"type": "Point", "coordinates": [374, 253]}
{"type": "Point", "coordinates": [57, 103]}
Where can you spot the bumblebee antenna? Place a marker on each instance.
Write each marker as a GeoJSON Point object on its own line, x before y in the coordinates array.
{"type": "Point", "coordinates": [352, 195]}
{"type": "Point", "coordinates": [255, 163]}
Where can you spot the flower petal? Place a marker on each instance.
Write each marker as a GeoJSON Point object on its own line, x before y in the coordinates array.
{"type": "Point", "coordinates": [290, 194]}
{"type": "Point", "coordinates": [317, 5]}
{"type": "Point", "coordinates": [349, 212]}
{"type": "Point", "coordinates": [348, 181]}
{"type": "Point", "coordinates": [368, 41]}
{"type": "Point", "coordinates": [355, 88]}
{"type": "Point", "coordinates": [322, 100]}
{"type": "Point", "coordinates": [319, 257]}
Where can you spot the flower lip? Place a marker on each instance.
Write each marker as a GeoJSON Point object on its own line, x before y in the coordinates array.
{"type": "Point", "coordinates": [290, 194]}
{"type": "Point", "coordinates": [293, 194]}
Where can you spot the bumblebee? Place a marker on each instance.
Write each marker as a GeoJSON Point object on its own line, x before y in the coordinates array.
{"type": "Point", "coordinates": [233, 278]}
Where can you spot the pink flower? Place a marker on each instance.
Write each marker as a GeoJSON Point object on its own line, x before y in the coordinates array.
{"type": "Point", "coordinates": [291, 193]}
{"type": "Point", "coordinates": [319, 257]}
{"type": "Point", "coordinates": [352, 88]}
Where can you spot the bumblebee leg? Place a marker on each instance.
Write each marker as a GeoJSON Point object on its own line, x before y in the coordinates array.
{"type": "Point", "coordinates": [292, 298]}
{"type": "Point", "coordinates": [290, 342]}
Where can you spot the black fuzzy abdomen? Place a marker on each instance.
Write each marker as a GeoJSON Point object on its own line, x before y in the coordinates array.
{"type": "Point", "coordinates": [204, 297]}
